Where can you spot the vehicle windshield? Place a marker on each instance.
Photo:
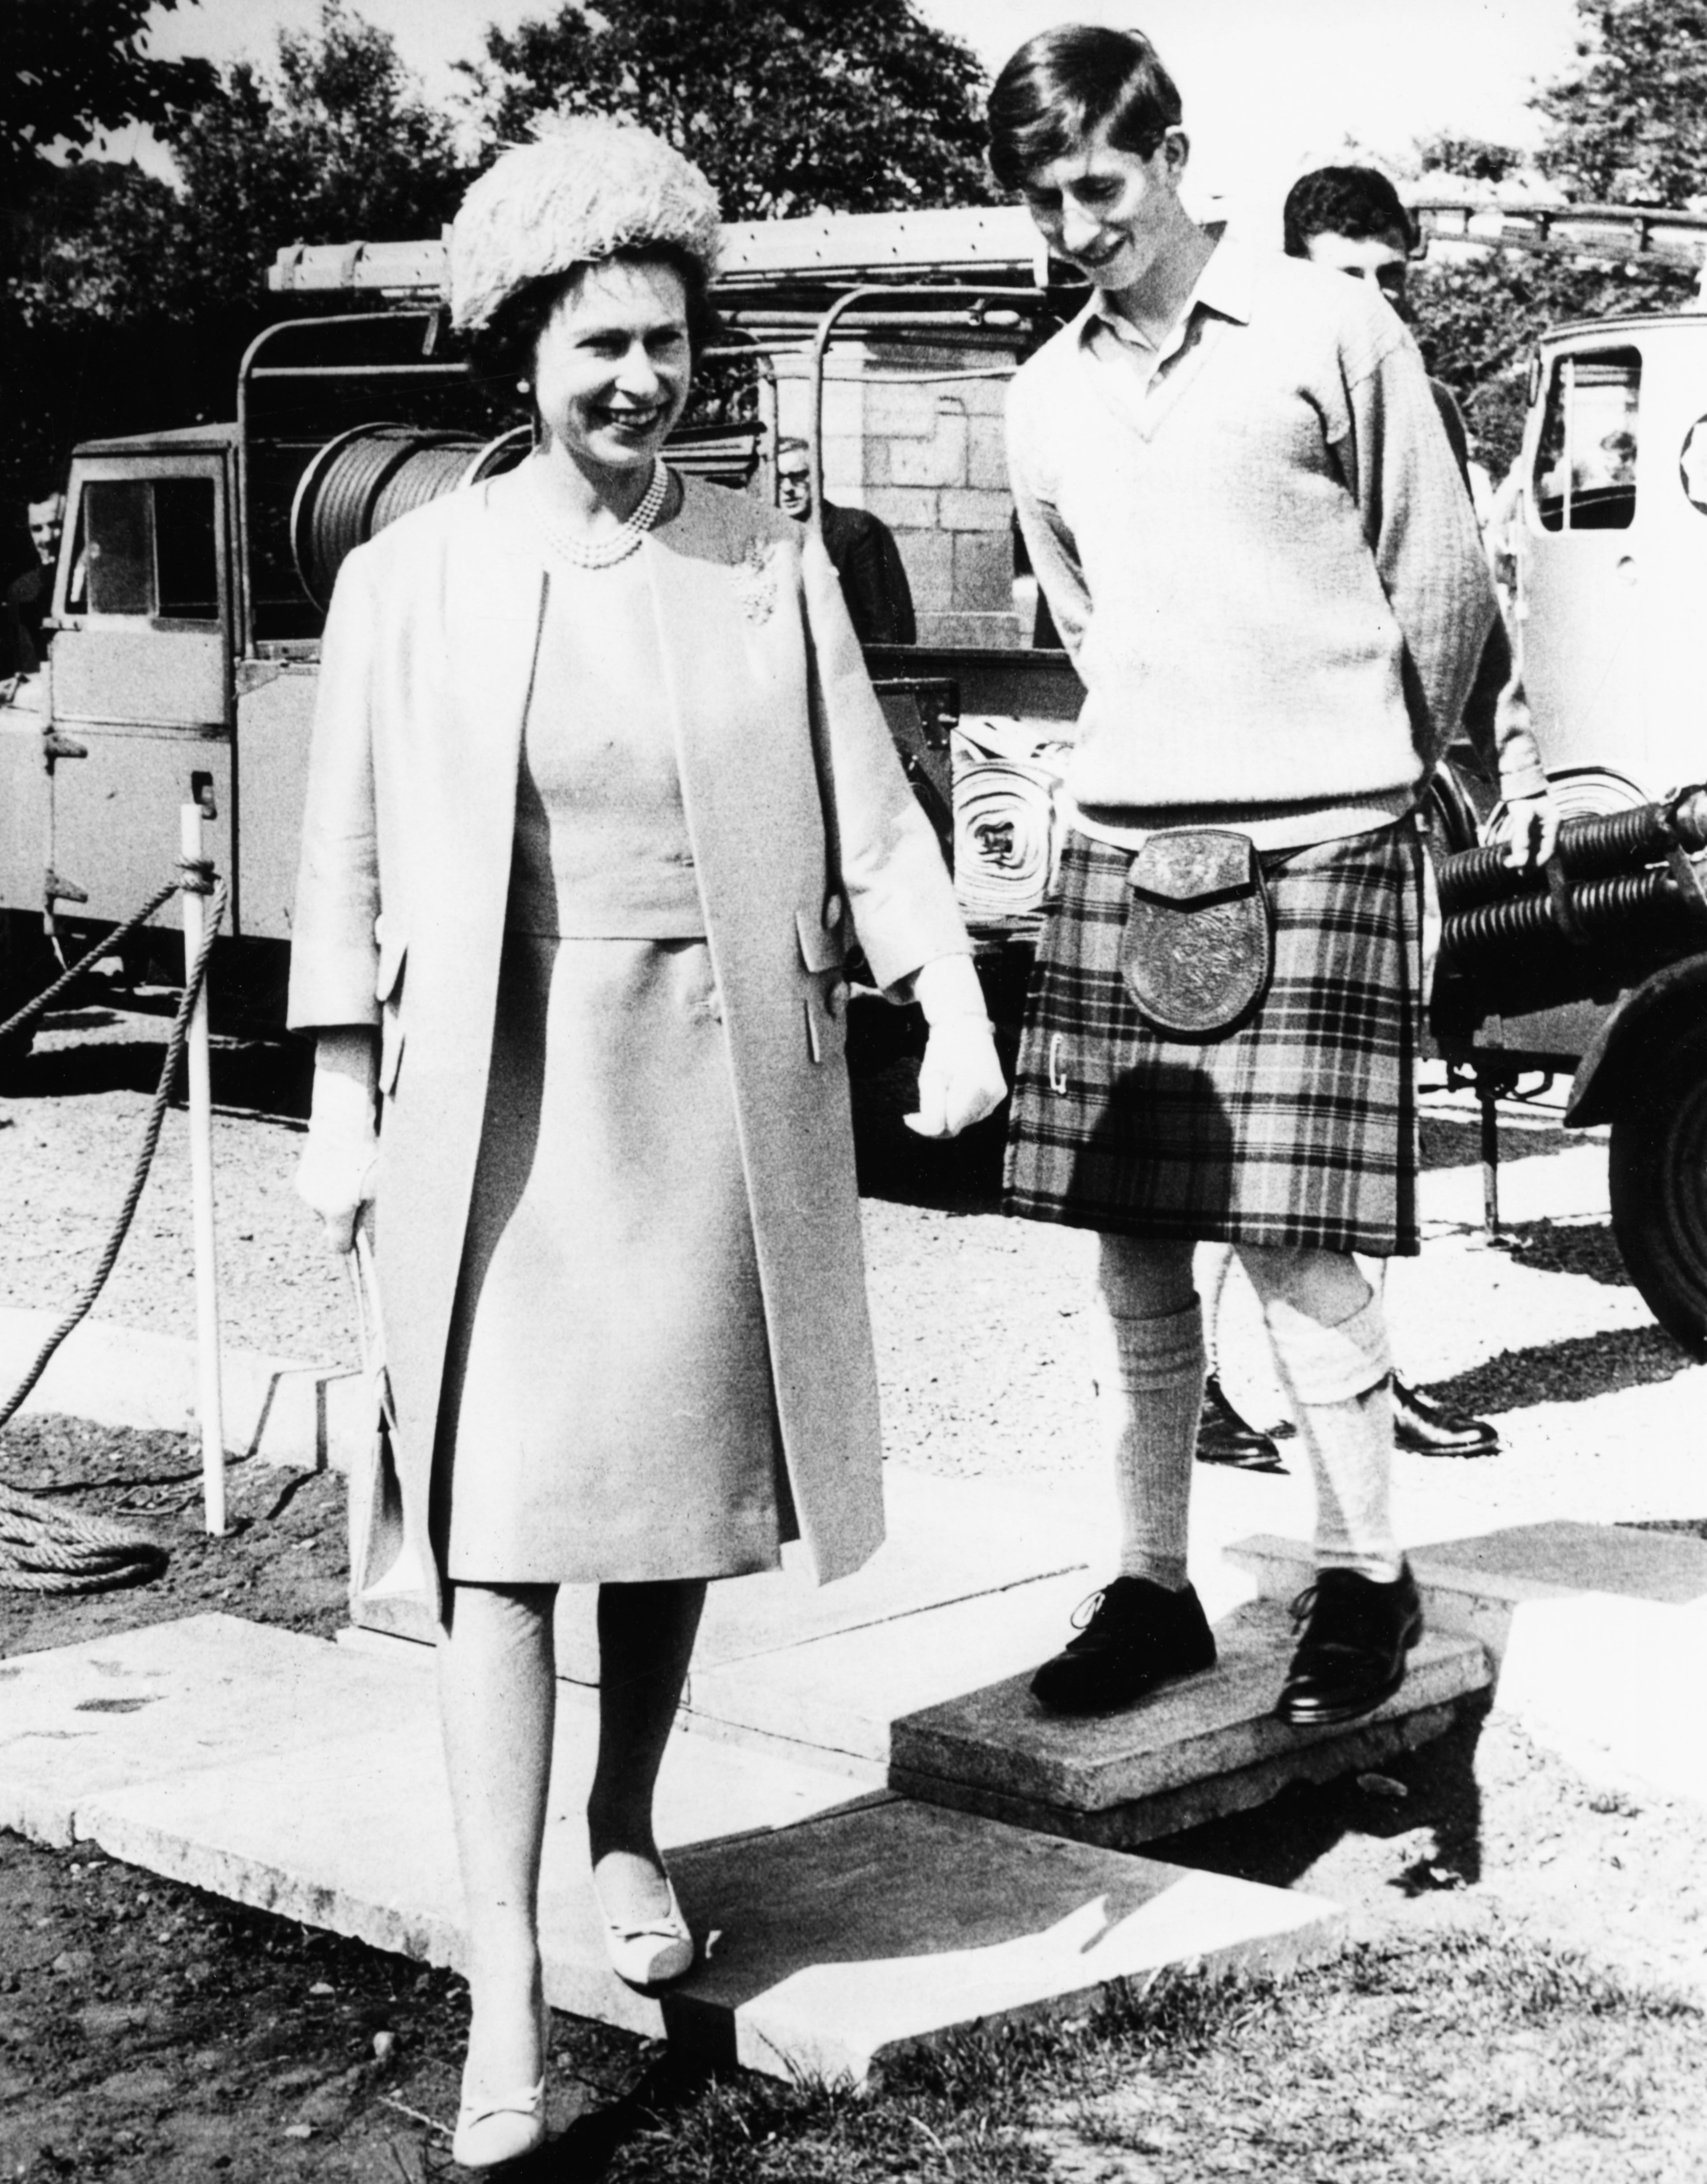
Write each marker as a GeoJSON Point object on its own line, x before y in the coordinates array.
{"type": "Point", "coordinates": [1585, 462]}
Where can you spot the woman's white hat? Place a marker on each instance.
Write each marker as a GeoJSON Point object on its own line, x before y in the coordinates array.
{"type": "Point", "coordinates": [586, 188]}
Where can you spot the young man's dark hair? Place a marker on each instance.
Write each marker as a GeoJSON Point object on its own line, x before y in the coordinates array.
{"type": "Point", "coordinates": [1067, 85]}
{"type": "Point", "coordinates": [1354, 201]}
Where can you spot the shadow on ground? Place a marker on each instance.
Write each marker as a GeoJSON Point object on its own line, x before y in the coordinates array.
{"type": "Point", "coordinates": [1566, 1247]}
{"type": "Point", "coordinates": [1449, 1144]}
{"type": "Point", "coordinates": [1280, 1842]}
{"type": "Point", "coordinates": [1568, 1372]}
{"type": "Point", "coordinates": [125, 1054]}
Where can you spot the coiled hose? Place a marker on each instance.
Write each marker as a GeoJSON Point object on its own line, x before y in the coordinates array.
{"type": "Point", "coordinates": [1606, 889]}
{"type": "Point", "coordinates": [43, 1550]}
{"type": "Point", "coordinates": [1588, 847]}
{"type": "Point", "coordinates": [367, 477]}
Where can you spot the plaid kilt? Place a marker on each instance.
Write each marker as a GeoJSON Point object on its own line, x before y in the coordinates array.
{"type": "Point", "coordinates": [1299, 1129]}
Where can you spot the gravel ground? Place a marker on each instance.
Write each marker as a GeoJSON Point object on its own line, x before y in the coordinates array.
{"type": "Point", "coordinates": [149, 2031]}
{"type": "Point", "coordinates": [980, 1321]}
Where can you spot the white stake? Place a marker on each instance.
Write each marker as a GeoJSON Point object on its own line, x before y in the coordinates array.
{"type": "Point", "coordinates": [208, 1399]}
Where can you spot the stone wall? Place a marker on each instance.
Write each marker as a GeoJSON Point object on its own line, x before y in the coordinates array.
{"type": "Point", "coordinates": [928, 458]}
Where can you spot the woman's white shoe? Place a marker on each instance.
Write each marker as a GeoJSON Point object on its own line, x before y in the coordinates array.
{"type": "Point", "coordinates": [490, 2133]}
{"type": "Point", "coordinates": [492, 2129]}
{"type": "Point", "coordinates": [653, 1953]}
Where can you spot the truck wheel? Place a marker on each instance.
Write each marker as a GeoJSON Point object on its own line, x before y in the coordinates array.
{"type": "Point", "coordinates": [1657, 1169]}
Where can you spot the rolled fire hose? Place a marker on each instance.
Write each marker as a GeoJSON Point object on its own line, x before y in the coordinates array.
{"type": "Point", "coordinates": [1006, 829]}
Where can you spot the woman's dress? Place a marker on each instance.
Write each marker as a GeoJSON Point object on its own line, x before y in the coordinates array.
{"type": "Point", "coordinates": [608, 1411]}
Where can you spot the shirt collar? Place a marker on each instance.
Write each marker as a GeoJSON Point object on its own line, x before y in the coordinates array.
{"type": "Point", "coordinates": [1224, 287]}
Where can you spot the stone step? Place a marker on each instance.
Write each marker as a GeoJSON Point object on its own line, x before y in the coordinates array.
{"type": "Point", "coordinates": [275, 1410]}
{"type": "Point", "coordinates": [1598, 1633]}
{"type": "Point", "coordinates": [306, 1779]}
{"type": "Point", "coordinates": [1196, 1750]}
{"type": "Point", "coordinates": [1477, 1584]}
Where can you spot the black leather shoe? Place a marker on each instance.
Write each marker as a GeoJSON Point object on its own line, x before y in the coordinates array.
{"type": "Point", "coordinates": [1425, 1427]}
{"type": "Point", "coordinates": [1357, 1632]}
{"type": "Point", "coordinates": [1224, 1436]}
{"type": "Point", "coordinates": [1139, 1635]}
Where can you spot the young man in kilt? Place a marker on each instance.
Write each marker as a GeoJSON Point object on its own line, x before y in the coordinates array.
{"type": "Point", "coordinates": [1245, 516]}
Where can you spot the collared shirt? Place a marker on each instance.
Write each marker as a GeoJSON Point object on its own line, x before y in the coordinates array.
{"type": "Point", "coordinates": [1256, 546]}
{"type": "Point", "coordinates": [1221, 293]}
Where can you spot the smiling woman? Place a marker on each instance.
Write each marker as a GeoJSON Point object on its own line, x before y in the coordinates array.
{"type": "Point", "coordinates": [610, 371]}
{"type": "Point", "coordinates": [598, 787]}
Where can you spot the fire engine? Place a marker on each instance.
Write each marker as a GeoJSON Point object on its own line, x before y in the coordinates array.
{"type": "Point", "coordinates": [197, 564]}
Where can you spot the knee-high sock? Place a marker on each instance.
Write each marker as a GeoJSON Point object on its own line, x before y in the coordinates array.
{"type": "Point", "coordinates": [1150, 1394]}
{"type": "Point", "coordinates": [1330, 1343]}
{"type": "Point", "coordinates": [1211, 1263]}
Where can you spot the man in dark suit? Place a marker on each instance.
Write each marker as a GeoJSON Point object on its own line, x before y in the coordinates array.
{"type": "Point", "coordinates": [861, 546]}
{"type": "Point", "coordinates": [29, 597]}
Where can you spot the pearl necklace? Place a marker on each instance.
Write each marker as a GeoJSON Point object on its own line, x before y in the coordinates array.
{"type": "Point", "coordinates": [618, 544]}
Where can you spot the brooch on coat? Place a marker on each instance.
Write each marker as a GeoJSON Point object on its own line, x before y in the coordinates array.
{"type": "Point", "coordinates": [755, 580]}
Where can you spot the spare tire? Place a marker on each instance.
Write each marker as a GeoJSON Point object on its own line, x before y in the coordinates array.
{"type": "Point", "coordinates": [1657, 1173]}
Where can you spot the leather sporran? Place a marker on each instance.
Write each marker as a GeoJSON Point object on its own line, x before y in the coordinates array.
{"type": "Point", "coordinates": [1198, 951]}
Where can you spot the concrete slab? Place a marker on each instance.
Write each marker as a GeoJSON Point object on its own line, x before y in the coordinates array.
{"type": "Point", "coordinates": [1599, 1634]}
{"type": "Point", "coordinates": [875, 1928]}
{"type": "Point", "coordinates": [276, 1409]}
{"type": "Point", "coordinates": [838, 1928]}
{"type": "Point", "coordinates": [1476, 1583]}
{"type": "Point", "coordinates": [839, 1695]}
{"type": "Point", "coordinates": [353, 1833]}
{"type": "Point", "coordinates": [1613, 1686]}
{"type": "Point", "coordinates": [173, 1698]}
{"type": "Point", "coordinates": [1207, 1746]}
{"type": "Point", "coordinates": [949, 1540]}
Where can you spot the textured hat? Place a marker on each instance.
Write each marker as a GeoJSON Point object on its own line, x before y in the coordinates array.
{"type": "Point", "coordinates": [586, 188]}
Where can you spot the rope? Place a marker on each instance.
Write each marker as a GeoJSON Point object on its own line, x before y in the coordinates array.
{"type": "Point", "coordinates": [54, 1550]}
{"type": "Point", "coordinates": [103, 946]}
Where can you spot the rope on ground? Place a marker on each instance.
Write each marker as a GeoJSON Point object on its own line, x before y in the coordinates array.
{"type": "Point", "coordinates": [44, 1549]}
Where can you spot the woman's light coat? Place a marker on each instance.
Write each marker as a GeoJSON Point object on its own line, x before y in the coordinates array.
{"type": "Point", "coordinates": [798, 817]}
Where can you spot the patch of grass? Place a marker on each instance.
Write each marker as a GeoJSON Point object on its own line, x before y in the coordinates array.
{"type": "Point", "coordinates": [1468, 2056]}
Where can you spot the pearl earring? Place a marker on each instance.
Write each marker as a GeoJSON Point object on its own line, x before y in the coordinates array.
{"type": "Point", "coordinates": [524, 387]}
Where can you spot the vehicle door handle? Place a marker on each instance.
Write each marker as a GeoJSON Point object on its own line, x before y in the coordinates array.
{"type": "Point", "coordinates": [54, 745]}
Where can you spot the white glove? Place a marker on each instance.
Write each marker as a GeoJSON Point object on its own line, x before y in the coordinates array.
{"type": "Point", "coordinates": [335, 1173]}
{"type": "Point", "coordinates": [960, 1080]}
{"type": "Point", "coordinates": [1534, 830]}
{"type": "Point", "coordinates": [335, 1176]}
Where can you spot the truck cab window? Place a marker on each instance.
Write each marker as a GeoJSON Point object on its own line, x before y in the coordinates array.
{"type": "Point", "coordinates": [117, 548]}
{"type": "Point", "coordinates": [1585, 464]}
{"type": "Point", "coordinates": [185, 559]}
{"type": "Point", "coordinates": [147, 546]}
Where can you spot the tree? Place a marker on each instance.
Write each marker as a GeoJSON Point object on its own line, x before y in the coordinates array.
{"type": "Point", "coordinates": [1478, 319]}
{"type": "Point", "coordinates": [74, 68]}
{"type": "Point", "coordinates": [1630, 126]}
{"type": "Point", "coordinates": [129, 303]}
{"type": "Point", "coordinates": [1469, 158]}
{"type": "Point", "coordinates": [338, 145]}
{"type": "Point", "coordinates": [790, 106]}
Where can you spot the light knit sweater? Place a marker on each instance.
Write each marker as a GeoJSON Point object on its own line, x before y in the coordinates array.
{"type": "Point", "coordinates": [1259, 555]}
